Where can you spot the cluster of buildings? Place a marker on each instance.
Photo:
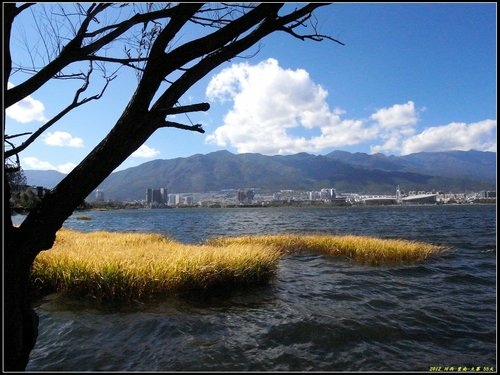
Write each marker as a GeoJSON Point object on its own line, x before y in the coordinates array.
{"type": "Point", "coordinates": [156, 197]}
{"type": "Point", "coordinates": [326, 194]}
{"type": "Point", "coordinates": [400, 198]}
{"type": "Point", "coordinates": [159, 198]}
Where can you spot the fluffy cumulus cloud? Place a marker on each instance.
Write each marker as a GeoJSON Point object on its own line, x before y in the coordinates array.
{"type": "Point", "coordinates": [278, 111]}
{"type": "Point", "coordinates": [31, 162]}
{"type": "Point", "coordinates": [394, 124]}
{"type": "Point", "coordinates": [274, 110]}
{"type": "Point", "coordinates": [27, 110]}
{"type": "Point", "coordinates": [401, 117]}
{"type": "Point", "coordinates": [454, 136]}
{"type": "Point", "coordinates": [145, 152]}
{"type": "Point", "coordinates": [63, 139]}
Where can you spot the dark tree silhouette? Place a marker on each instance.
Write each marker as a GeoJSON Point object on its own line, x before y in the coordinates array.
{"type": "Point", "coordinates": [165, 70]}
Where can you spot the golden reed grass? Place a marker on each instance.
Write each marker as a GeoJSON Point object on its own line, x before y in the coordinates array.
{"type": "Point", "coordinates": [126, 266]}
{"type": "Point", "coordinates": [107, 265]}
{"type": "Point", "coordinates": [363, 249]}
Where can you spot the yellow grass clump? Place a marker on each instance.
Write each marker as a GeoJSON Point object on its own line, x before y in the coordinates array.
{"type": "Point", "coordinates": [83, 217]}
{"type": "Point", "coordinates": [106, 265]}
{"type": "Point", "coordinates": [363, 249]}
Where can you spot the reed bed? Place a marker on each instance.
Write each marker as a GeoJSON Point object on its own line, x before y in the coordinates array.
{"type": "Point", "coordinates": [363, 249]}
{"type": "Point", "coordinates": [106, 265]}
{"type": "Point", "coordinates": [127, 266]}
{"type": "Point", "coordinates": [83, 217]}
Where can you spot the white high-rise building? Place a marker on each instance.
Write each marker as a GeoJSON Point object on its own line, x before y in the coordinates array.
{"type": "Point", "coordinates": [99, 195]}
{"type": "Point", "coordinates": [398, 195]}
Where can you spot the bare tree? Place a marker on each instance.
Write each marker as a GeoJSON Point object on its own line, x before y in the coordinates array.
{"type": "Point", "coordinates": [165, 69]}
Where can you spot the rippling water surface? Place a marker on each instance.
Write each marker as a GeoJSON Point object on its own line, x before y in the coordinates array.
{"type": "Point", "coordinates": [320, 313]}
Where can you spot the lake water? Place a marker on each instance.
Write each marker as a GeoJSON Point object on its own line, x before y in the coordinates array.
{"type": "Point", "coordinates": [320, 313]}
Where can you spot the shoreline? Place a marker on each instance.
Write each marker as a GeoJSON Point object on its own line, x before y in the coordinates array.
{"type": "Point", "coordinates": [293, 205]}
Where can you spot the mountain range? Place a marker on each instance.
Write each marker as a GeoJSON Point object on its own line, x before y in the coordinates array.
{"type": "Point", "coordinates": [451, 171]}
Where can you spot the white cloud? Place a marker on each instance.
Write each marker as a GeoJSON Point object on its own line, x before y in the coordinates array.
{"type": "Point", "coordinates": [283, 111]}
{"type": "Point", "coordinates": [394, 124]}
{"type": "Point", "coordinates": [26, 110]}
{"type": "Point", "coordinates": [454, 136]}
{"type": "Point", "coordinates": [399, 116]}
{"type": "Point", "coordinates": [59, 138]}
{"type": "Point", "coordinates": [66, 168]}
{"type": "Point", "coordinates": [269, 103]}
{"type": "Point", "coordinates": [31, 162]}
{"type": "Point", "coordinates": [145, 152]}
{"type": "Point", "coordinates": [392, 144]}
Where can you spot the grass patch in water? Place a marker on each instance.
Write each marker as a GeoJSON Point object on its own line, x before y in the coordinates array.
{"type": "Point", "coordinates": [363, 249]}
{"type": "Point", "coordinates": [108, 266]}
{"type": "Point", "coordinates": [127, 266]}
{"type": "Point", "coordinates": [83, 217]}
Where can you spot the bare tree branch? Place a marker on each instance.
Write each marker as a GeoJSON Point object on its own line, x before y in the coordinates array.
{"type": "Point", "coordinates": [196, 128]}
{"type": "Point", "coordinates": [135, 20]}
{"type": "Point", "coordinates": [208, 45]}
{"type": "Point", "coordinates": [75, 51]}
{"type": "Point", "coordinates": [211, 44]}
{"type": "Point", "coordinates": [8, 166]}
{"type": "Point", "coordinates": [185, 108]}
{"type": "Point", "coordinates": [127, 61]}
{"type": "Point", "coordinates": [15, 136]}
{"type": "Point", "coordinates": [74, 104]}
{"type": "Point", "coordinates": [23, 7]}
{"type": "Point", "coordinates": [236, 29]}
{"type": "Point", "coordinates": [315, 37]}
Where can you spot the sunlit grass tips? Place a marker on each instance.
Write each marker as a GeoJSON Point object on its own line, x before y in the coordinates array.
{"type": "Point", "coordinates": [127, 266]}
{"type": "Point", "coordinates": [363, 249]}
{"type": "Point", "coordinates": [106, 265]}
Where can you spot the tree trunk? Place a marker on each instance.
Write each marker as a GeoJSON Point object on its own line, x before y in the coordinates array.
{"type": "Point", "coordinates": [20, 320]}
{"type": "Point", "coordinates": [37, 232]}
{"type": "Point", "coordinates": [136, 124]}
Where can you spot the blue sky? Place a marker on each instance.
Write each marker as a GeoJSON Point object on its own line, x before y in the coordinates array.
{"type": "Point", "coordinates": [411, 77]}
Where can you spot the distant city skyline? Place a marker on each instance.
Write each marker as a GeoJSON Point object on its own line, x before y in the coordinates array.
{"type": "Point", "coordinates": [411, 77]}
{"type": "Point", "coordinates": [328, 196]}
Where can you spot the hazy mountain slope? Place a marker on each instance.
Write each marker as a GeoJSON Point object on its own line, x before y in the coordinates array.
{"type": "Point", "coordinates": [459, 164]}
{"type": "Point", "coordinates": [354, 173]}
{"type": "Point", "coordinates": [348, 172]}
{"type": "Point", "coordinates": [47, 179]}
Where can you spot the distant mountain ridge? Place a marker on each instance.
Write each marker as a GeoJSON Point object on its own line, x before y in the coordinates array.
{"type": "Point", "coordinates": [456, 171]}
{"type": "Point", "coordinates": [47, 179]}
{"type": "Point", "coordinates": [459, 164]}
